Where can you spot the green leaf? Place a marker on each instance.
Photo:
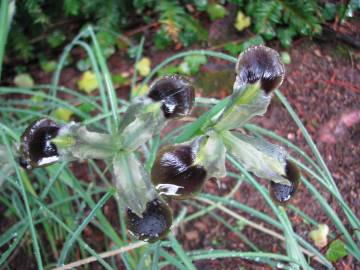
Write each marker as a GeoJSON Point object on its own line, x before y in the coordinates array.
{"type": "Point", "coordinates": [24, 80]}
{"type": "Point", "coordinates": [236, 48]}
{"type": "Point", "coordinates": [119, 80]}
{"type": "Point", "coordinates": [201, 4]}
{"type": "Point", "coordinates": [216, 11]}
{"type": "Point", "coordinates": [191, 64]}
{"type": "Point", "coordinates": [211, 155]}
{"type": "Point", "coordinates": [260, 157]}
{"type": "Point", "coordinates": [72, 7]}
{"type": "Point", "coordinates": [88, 82]}
{"type": "Point", "coordinates": [147, 121]}
{"type": "Point", "coordinates": [285, 36]}
{"type": "Point", "coordinates": [168, 70]}
{"type": "Point", "coordinates": [268, 33]}
{"type": "Point", "coordinates": [56, 38]}
{"type": "Point", "coordinates": [336, 251]}
{"type": "Point", "coordinates": [48, 66]}
{"type": "Point", "coordinates": [240, 225]}
{"type": "Point", "coordinates": [329, 12]}
{"type": "Point", "coordinates": [106, 39]}
{"type": "Point", "coordinates": [246, 102]}
{"type": "Point", "coordinates": [242, 21]}
{"type": "Point", "coordinates": [162, 40]}
{"type": "Point", "coordinates": [75, 142]}
{"type": "Point", "coordinates": [285, 58]}
{"type": "Point", "coordinates": [144, 66]}
{"type": "Point", "coordinates": [62, 114]}
{"type": "Point", "coordinates": [86, 107]}
{"type": "Point", "coordinates": [132, 51]}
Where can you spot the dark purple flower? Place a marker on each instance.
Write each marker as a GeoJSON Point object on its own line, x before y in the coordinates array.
{"type": "Point", "coordinates": [175, 174]}
{"type": "Point", "coordinates": [281, 193]}
{"type": "Point", "coordinates": [154, 224]}
{"type": "Point", "coordinates": [261, 63]}
{"type": "Point", "coordinates": [176, 93]}
{"type": "Point", "coordinates": [36, 148]}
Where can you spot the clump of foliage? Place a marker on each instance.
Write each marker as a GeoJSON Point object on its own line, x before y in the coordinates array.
{"type": "Point", "coordinates": [39, 23]}
{"type": "Point", "coordinates": [287, 19]}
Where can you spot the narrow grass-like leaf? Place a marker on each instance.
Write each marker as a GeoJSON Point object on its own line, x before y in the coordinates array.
{"type": "Point", "coordinates": [81, 242]}
{"type": "Point", "coordinates": [181, 253]}
{"type": "Point", "coordinates": [68, 244]}
{"type": "Point", "coordinates": [26, 202]}
{"type": "Point", "coordinates": [7, 10]}
{"type": "Point", "coordinates": [138, 56]}
{"type": "Point", "coordinates": [107, 79]}
{"type": "Point", "coordinates": [171, 260]}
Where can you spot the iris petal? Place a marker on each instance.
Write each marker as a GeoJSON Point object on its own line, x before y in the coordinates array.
{"type": "Point", "coordinates": [176, 93]}
{"type": "Point", "coordinates": [260, 63]}
{"type": "Point", "coordinates": [154, 224]}
{"type": "Point", "coordinates": [175, 174]}
{"type": "Point", "coordinates": [36, 147]}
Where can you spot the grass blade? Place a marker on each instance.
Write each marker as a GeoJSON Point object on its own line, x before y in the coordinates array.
{"type": "Point", "coordinates": [68, 244]}
{"type": "Point", "coordinates": [107, 79]}
{"type": "Point", "coordinates": [7, 10]}
{"type": "Point", "coordinates": [26, 202]}
{"type": "Point", "coordinates": [181, 253]}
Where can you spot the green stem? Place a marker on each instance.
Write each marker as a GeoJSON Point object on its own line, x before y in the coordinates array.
{"type": "Point", "coordinates": [7, 9]}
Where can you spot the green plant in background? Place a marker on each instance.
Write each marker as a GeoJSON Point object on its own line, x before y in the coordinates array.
{"type": "Point", "coordinates": [39, 25]}
{"type": "Point", "coordinates": [177, 26]}
{"type": "Point", "coordinates": [287, 19]}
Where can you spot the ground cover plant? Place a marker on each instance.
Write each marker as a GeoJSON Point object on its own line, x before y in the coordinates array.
{"type": "Point", "coordinates": [37, 24]}
{"type": "Point", "coordinates": [55, 212]}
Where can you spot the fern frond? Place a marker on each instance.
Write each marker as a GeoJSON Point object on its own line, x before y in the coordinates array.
{"type": "Point", "coordinates": [301, 14]}
{"type": "Point", "coordinates": [267, 15]}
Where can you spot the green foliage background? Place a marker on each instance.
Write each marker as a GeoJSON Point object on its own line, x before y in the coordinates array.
{"type": "Point", "coordinates": [38, 23]}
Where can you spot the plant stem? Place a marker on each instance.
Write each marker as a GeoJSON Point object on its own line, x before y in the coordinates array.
{"type": "Point", "coordinates": [7, 9]}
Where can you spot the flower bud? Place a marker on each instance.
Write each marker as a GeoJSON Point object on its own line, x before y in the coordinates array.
{"type": "Point", "coordinates": [281, 193]}
{"type": "Point", "coordinates": [154, 224]}
{"type": "Point", "coordinates": [174, 173]}
{"type": "Point", "coordinates": [36, 148]}
{"type": "Point", "coordinates": [260, 63]}
{"type": "Point", "coordinates": [176, 93]}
